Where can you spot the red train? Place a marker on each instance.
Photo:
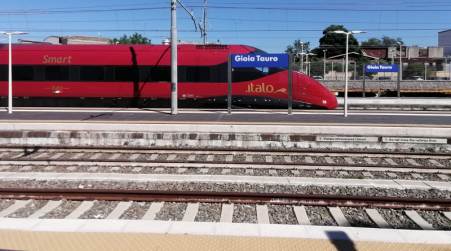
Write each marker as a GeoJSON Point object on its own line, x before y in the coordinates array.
{"type": "Point", "coordinates": [142, 72]}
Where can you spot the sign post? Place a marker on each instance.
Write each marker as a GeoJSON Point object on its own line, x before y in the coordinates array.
{"type": "Point", "coordinates": [229, 85]}
{"type": "Point", "coordinates": [259, 60]}
{"type": "Point", "coordinates": [290, 86]}
{"type": "Point", "coordinates": [376, 68]}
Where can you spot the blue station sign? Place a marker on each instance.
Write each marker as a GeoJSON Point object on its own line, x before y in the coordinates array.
{"type": "Point", "coordinates": [259, 60]}
{"type": "Point", "coordinates": [375, 68]}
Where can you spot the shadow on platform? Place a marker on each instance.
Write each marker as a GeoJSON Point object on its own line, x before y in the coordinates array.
{"type": "Point", "coordinates": [341, 241]}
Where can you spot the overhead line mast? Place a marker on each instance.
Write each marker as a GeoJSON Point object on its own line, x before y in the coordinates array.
{"type": "Point", "coordinates": [174, 44]}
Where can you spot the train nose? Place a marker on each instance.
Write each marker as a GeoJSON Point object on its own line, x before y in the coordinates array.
{"type": "Point", "coordinates": [315, 93]}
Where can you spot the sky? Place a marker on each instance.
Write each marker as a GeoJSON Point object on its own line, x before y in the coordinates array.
{"type": "Point", "coordinates": [270, 25]}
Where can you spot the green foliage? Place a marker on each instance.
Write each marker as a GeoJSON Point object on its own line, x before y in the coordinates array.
{"type": "Point", "coordinates": [385, 41]}
{"type": "Point", "coordinates": [415, 69]}
{"type": "Point", "coordinates": [135, 38]}
{"type": "Point", "coordinates": [336, 43]}
{"type": "Point", "coordinates": [297, 47]}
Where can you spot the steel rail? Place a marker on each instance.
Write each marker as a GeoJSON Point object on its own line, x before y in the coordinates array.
{"type": "Point", "coordinates": [250, 150]}
{"type": "Point", "coordinates": [226, 197]}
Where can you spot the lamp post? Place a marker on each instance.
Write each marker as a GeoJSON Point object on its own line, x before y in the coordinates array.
{"type": "Point", "coordinates": [426, 71]}
{"type": "Point", "coordinates": [324, 65]}
{"type": "Point", "coordinates": [400, 60]}
{"type": "Point", "coordinates": [308, 62]}
{"type": "Point", "coordinates": [10, 68]}
{"type": "Point", "coordinates": [347, 62]}
{"type": "Point", "coordinates": [302, 57]}
{"type": "Point", "coordinates": [174, 79]}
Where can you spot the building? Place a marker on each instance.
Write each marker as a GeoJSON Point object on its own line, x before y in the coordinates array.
{"type": "Point", "coordinates": [77, 40]}
{"type": "Point", "coordinates": [444, 40]}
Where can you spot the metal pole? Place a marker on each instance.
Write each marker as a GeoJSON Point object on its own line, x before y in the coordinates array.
{"type": "Point", "coordinates": [425, 71]}
{"type": "Point", "coordinates": [302, 57]}
{"type": "Point", "coordinates": [333, 71]}
{"type": "Point", "coordinates": [346, 75]}
{"type": "Point", "coordinates": [229, 85]}
{"type": "Point", "coordinates": [364, 83]}
{"type": "Point", "coordinates": [398, 87]}
{"type": "Point", "coordinates": [324, 65]}
{"type": "Point", "coordinates": [343, 64]}
{"type": "Point", "coordinates": [290, 86]}
{"type": "Point", "coordinates": [449, 69]}
{"type": "Point", "coordinates": [174, 80]}
{"type": "Point", "coordinates": [355, 70]}
{"type": "Point", "coordinates": [205, 22]}
{"type": "Point", "coordinates": [400, 62]}
{"type": "Point", "coordinates": [10, 76]}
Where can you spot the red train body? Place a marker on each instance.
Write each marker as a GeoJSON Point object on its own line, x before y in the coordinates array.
{"type": "Point", "coordinates": [143, 72]}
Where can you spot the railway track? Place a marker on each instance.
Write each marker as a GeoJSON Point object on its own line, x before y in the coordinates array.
{"type": "Point", "coordinates": [404, 191]}
{"type": "Point", "coordinates": [226, 207]}
{"type": "Point", "coordinates": [425, 161]}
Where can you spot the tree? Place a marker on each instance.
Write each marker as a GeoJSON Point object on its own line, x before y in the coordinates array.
{"type": "Point", "coordinates": [385, 42]}
{"type": "Point", "coordinates": [414, 69]}
{"type": "Point", "coordinates": [135, 38]}
{"type": "Point", "coordinates": [336, 43]}
{"type": "Point", "coordinates": [297, 47]}
{"type": "Point", "coordinates": [296, 50]}
{"type": "Point", "coordinates": [372, 42]}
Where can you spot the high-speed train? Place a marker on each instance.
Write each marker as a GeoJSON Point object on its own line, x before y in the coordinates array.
{"type": "Point", "coordinates": [142, 72]}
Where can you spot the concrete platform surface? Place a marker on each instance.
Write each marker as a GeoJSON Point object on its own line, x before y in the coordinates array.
{"type": "Point", "coordinates": [54, 234]}
{"type": "Point", "coordinates": [49, 241]}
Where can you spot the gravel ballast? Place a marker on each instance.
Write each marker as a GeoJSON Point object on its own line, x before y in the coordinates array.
{"type": "Point", "coordinates": [243, 213]}
{"type": "Point", "coordinates": [281, 214]}
{"type": "Point", "coordinates": [209, 212]}
{"type": "Point", "coordinates": [397, 219]}
{"type": "Point", "coordinates": [437, 219]}
{"type": "Point", "coordinates": [100, 210]}
{"type": "Point", "coordinates": [320, 216]}
{"type": "Point", "coordinates": [171, 211]}
{"type": "Point", "coordinates": [136, 211]}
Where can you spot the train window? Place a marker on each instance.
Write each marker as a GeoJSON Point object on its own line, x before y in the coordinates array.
{"type": "Point", "coordinates": [198, 74]}
{"type": "Point", "coordinates": [92, 73]}
{"type": "Point", "coordinates": [123, 73]}
{"type": "Point", "coordinates": [3, 72]}
{"type": "Point", "coordinates": [246, 74]}
{"type": "Point", "coordinates": [219, 73]}
{"type": "Point", "coordinates": [145, 74]}
{"type": "Point", "coordinates": [161, 74]}
{"type": "Point", "coordinates": [23, 73]}
{"type": "Point", "coordinates": [39, 72]}
{"type": "Point", "coordinates": [60, 73]}
{"type": "Point", "coordinates": [109, 73]}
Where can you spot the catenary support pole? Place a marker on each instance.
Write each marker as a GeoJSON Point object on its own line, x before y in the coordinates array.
{"type": "Point", "coordinates": [302, 57]}
{"type": "Point", "coordinates": [364, 82]}
{"type": "Point", "coordinates": [229, 85]}
{"type": "Point", "coordinates": [346, 74]}
{"type": "Point", "coordinates": [10, 75]}
{"type": "Point", "coordinates": [174, 74]}
{"type": "Point", "coordinates": [290, 85]}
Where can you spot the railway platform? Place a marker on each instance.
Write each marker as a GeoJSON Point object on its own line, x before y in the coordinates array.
{"type": "Point", "coordinates": [155, 235]}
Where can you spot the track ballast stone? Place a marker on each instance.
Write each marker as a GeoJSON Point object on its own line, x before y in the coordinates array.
{"type": "Point", "coordinates": [66, 207]}
{"type": "Point", "coordinates": [209, 212]}
{"type": "Point", "coordinates": [357, 217]}
{"type": "Point", "coordinates": [397, 219]}
{"type": "Point", "coordinates": [244, 213]}
{"type": "Point", "coordinates": [282, 214]}
{"type": "Point", "coordinates": [136, 211]}
{"type": "Point", "coordinates": [100, 210]}
{"type": "Point", "coordinates": [29, 209]}
{"type": "Point", "coordinates": [437, 219]}
{"type": "Point", "coordinates": [320, 216]}
{"type": "Point", "coordinates": [171, 211]}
